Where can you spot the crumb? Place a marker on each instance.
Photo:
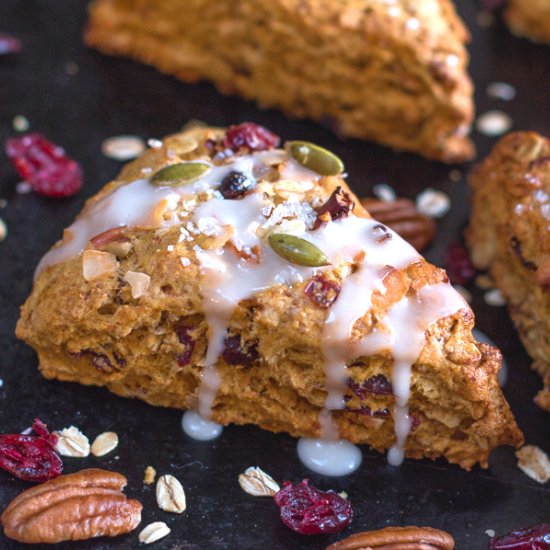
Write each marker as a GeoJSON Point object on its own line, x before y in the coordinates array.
{"type": "Point", "coordinates": [534, 462]}
{"type": "Point", "coordinates": [149, 475]}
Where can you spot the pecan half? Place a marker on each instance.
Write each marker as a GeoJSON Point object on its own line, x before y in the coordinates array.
{"type": "Point", "coordinates": [79, 506]}
{"type": "Point", "coordinates": [402, 216]}
{"type": "Point", "coordinates": [397, 538]}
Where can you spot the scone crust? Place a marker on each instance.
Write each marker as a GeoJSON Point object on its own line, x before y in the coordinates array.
{"type": "Point", "coordinates": [509, 235]}
{"type": "Point", "coordinates": [395, 74]}
{"type": "Point", "coordinates": [96, 333]}
{"type": "Point", "coordinates": [529, 18]}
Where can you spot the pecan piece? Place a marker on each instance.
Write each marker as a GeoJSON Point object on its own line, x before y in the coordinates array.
{"type": "Point", "coordinates": [397, 538]}
{"type": "Point", "coordinates": [402, 216]}
{"type": "Point", "coordinates": [78, 506]}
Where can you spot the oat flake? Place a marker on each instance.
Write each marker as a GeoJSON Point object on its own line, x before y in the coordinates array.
{"type": "Point", "coordinates": [501, 90]}
{"type": "Point", "coordinates": [153, 532]}
{"type": "Point", "coordinates": [433, 203]}
{"type": "Point", "coordinates": [493, 123]}
{"type": "Point", "coordinates": [3, 230]}
{"type": "Point", "coordinates": [72, 442]}
{"type": "Point", "coordinates": [494, 297]}
{"type": "Point", "coordinates": [257, 483]}
{"type": "Point", "coordinates": [20, 123]}
{"type": "Point", "coordinates": [170, 495]}
{"type": "Point", "coordinates": [23, 187]}
{"type": "Point", "coordinates": [104, 443]}
{"type": "Point", "coordinates": [384, 192]}
{"type": "Point", "coordinates": [123, 147]}
{"type": "Point", "coordinates": [534, 462]}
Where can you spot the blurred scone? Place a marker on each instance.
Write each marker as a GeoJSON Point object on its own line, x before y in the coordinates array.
{"type": "Point", "coordinates": [223, 274]}
{"type": "Point", "coordinates": [529, 18]}
{"type": "Point", "coordinates": [392, 72]}
{"type": "Point", "coordinates": [509, 234]}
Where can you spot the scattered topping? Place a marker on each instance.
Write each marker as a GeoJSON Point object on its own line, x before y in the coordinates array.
{"type": "Point", "coordinates": [458, 265]}
{"type": "Point", "coordinates": [235, 354]}
{"type": "Point", "coordinates": [250, 135]}
{"type": "Point", "coordinates": [72, 442]}
{"type": "Point", "coordinates": [23, 187]}
{"type": "Point", "coordinates": [139, 283]}
{"type": "Point", "coordinates": [338, 206]}
{"type": "Point", "coordinates": [153, 532]}
{"type": "Point", "coordinates": [534, 462]}
{"type": "Point", "coordinates": [501, 90]}
{"type": "Point", "coordinates": [181, 173]}
{"type": "Point", "coordinates": [3, 230]}
{"type": "Point", "coordinates": [490, 532]}
{"type": "Point", "coordinates": [397, 537]}
{"type": "Point", "coordinates": [185, 338]}
{"type": "Point", "coordinates": [170, 495]}
{"type": "Point", "coordinates": [308, 511]}
{"type": "Point", "coordinates": [9, 44]}
{"type": "Point", "coordinates": [123, 147]}
{"type": "Point", "coordinates": [78, 506]}
{"type": "Point", "coordinates": [154, 143]}
{"type": "Point", "coordinates": [529, 538]}
{"type": "Point", "coordinates": [235, 185]}
{"type": "Point", "coordinates": [104, 443]}
{"type": "Point", "coordinates": [384, 192]}
{"type": "Point", "coordinates": [20, 123]}
{"type": "Point", "coordinates": [323, 292]}
{"type": "Point", "coordinates": [114, 241]}
{"type": "Point", "coordinates": [31, 457]}
{"type": "Point", "coordinates": [297, 250]}
{"type": "Point", "coordinates": [494, 298]}
{"type": "Point", "coordinates": [493, 123]}
{"type": "Point", "coordinates": [44, 165]}
{"type": "Point", "coordinates": [149, 475]}
{"type": "Point", "coordinates": [433, 203]}
{"type": "Point", "coordinates": [402, 216]}
{"type": "Point", "coordinates": [378, 385]}
{"type": "Point", "coordinates": [257, 483]}
{"type": "Point", "coordinates": [96, 263]}
{"type": "Point", "coordinates": [315, 158]}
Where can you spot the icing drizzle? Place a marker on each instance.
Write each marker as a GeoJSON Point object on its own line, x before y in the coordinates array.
{"type": "Point", "coordinates": [231, 274]}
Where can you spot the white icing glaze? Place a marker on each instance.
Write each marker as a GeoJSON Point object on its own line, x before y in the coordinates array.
{"type": "Point", "coordinates": [197, 427]}
{"type": "Point", "coordinates": [329, 458]}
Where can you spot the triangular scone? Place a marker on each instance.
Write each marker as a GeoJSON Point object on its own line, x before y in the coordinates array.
{"type": "Point", "coordinates": [392, 72]}
{"type": "Point", "coordinates": [193, 293]}
{"type": "Point", "coordinates": [509, 235]}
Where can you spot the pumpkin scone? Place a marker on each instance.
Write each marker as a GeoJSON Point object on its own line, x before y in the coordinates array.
{"type": "Point", "coordinates": [529, 18]}
{"type": "Point", "coordinates": [223, 274]}
{"type": "Point", "coordinates": [392, 72]}
{"type": "Point", "coordinates": [509, 235]}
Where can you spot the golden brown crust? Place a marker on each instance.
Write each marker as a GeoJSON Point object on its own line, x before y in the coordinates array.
{"type": "Point", "coordinates": [529, 18]}
{"type": "Point", "coordinates": [97, 333]}
{"type": "Point", "coordinates": [393, 73]}
{"type": "Point", "coordinates": [509, 235]}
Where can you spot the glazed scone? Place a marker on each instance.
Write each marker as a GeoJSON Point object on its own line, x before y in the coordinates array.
{"type": "Point", "coordinates": [509, 235]}
{"type": "Point", "coordinates": [392, 72]}
{"type": "Point", "coordinates": [529, 18]}
{"type": "Point", "coordinates": [247, 283]}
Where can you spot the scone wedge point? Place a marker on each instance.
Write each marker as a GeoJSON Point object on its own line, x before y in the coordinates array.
{"type": "Point", "coordinates": [391, 72]}
{"type": "Point", "coordinates": [224, 274]}
{"type": "Point", "coordinates": [509, 236]}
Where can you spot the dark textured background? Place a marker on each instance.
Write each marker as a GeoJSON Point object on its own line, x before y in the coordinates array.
{"type": "Point", "coordinates": [112, 96]}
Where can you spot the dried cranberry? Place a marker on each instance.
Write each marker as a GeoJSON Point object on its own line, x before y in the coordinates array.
{"type": "Point", "coordinates": [31, 457]}
{"type": "Point", "coordinates": [309, 511]}
{"type": "Point", "coordinates": [251, 135]}
{"type": "Point", "coordinates": [529, 538]}
{"type": "Point", "coordinates": [365, 410]}
{"type": "Point", "coordinates": [44, 165]}
{"type": "Point", "coordinates": [458, 265]}
{"type": "Point", "coordinates": [188, 342]}
{"type": "Point", "coordinates": [338, 206]}
{"type": "Point", "coordinates": [9, 44]}
{"type": "Point", "coordinates": [378, 385]}
{"type": "Point", "coordinates": [235, 354]}
{"type": "Point", "coordinates": [235, 185]}
{"type": "Point", "coordinates": [322, 291]}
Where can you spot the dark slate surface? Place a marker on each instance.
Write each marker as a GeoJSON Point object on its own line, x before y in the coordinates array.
{"type": "Point", "coordinates": [112, 96]}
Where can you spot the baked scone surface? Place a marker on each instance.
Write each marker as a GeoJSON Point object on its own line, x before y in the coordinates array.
{"type": "Point", "coordinates": [243, 283]}
{"type": "Point", "coordinates": [529, 18]}
{"type": "Point", "coordinates": [392, 72]}
{"type": "Point", "coordinates": [509, 235]}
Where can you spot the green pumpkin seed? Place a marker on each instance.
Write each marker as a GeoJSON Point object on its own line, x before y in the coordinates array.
{"type": "Point", "coordinates": [181, 173]}
{"type": "Point", "coordinates": [316, 158]}
{"type": "Point", "coordinates": [297, 250]}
